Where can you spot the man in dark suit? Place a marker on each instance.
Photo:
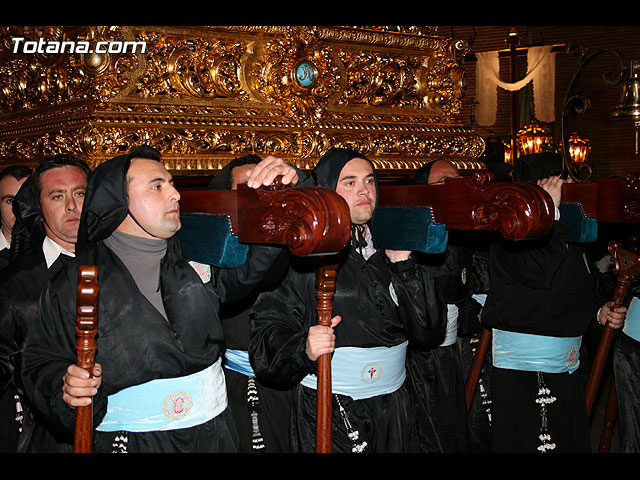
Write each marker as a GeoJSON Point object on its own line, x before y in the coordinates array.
{"type": "Point", "coordinates": [47, 209]}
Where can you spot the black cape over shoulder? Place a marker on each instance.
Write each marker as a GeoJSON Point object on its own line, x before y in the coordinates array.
{"type": "Point", "coordinates": [382, 304]}
{"type": "Point", "coordinates": [542, 287]}
{"type": "Point", "coordinates": [19, 299]}
{"type": "Point", "coordinates": [136, 343]}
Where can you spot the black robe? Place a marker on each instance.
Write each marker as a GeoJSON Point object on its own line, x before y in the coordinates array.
{"type": "Point", "coordinates": [261, 412]}
{"type": "Point", "coordinates": [370, 318]}
{"type": "Point", "coordinates": [437, 375]}
{"type": "Point", "coordinates": [136, 344]}
{"type": "Point", "coordinates": [20, 289]}
{"type": "Point", "coordinates": [626, 371]}
{"type": "Point", "coordinates": [542, 287]}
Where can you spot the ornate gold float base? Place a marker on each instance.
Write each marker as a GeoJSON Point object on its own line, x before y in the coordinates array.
{"type": "Point", "coordinates": [205, 95]}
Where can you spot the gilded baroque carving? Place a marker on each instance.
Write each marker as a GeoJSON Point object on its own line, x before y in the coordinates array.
{"type": "Point", "coordinates": [203, 95]}
{"type": "Point", "coordinates": [196, 67]}
{"type": "Point", "coordinates": [32, 80]}
{"type": "Point", "coordinates": [296, 73]}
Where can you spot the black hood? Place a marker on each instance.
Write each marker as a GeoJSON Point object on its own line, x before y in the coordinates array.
{"type": "Point", "coordinates": [105, 204]}
{"type": "Point", "coordinates": [534, 167]}
{"type": "Point", "coordinates": [422, 175]}
{"type": "Point", "coordinates": [222, 180]}
{"type": "Point", "coordinates": [327, 171]}
{"type": "Point", "coordinates": [28, 228]}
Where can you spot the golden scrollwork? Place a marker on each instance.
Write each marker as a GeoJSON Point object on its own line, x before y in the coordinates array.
{"type": "Point", "coordinates": [297, 73]}
{"type": "Point", "coordinates": [196, 67]}
{"type": "Point", "coordinates": [203, 95]}
{"type": "Point", "coordinates": [50, 76]}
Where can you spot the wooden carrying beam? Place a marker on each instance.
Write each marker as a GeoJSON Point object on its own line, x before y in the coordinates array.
{"type": "Point", "coordinates": [314, 221]}
{"type": "Point", "coordinates": [308, 220]}
{"type": "Point", "coordinates": [518, 210]}
{"type": "Point", "coordinates": [614, 200]}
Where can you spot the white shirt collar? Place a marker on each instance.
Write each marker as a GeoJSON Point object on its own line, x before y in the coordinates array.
{"type": "Point", "coordinates": [52, 251]}
{"type": "Point", "coordinates": [3, 242]}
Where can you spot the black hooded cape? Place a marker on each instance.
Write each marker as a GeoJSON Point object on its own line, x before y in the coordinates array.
{"type": "Point", "coordinates": [544, 287]}
{"type": "Point", "coordinates": [268, 409]}
{"type": "Point", "coordinates": [281, 318]}
{"type": "Point", "coordinates": [136, 343]}
{"type": "Point", "coordinates": [20, 287]}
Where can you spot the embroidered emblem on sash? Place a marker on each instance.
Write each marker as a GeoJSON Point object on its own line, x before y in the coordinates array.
{"type": "Point", "coordinates": [394, 296]}
{"type": "Point", "coordinates": [371, 373]}
{"type": "Point", "coordinates": [572, 356]}
{"type": "Point", "coordinates": [203, 270]}
{"type": "Point", "coordinates": [177, 405]}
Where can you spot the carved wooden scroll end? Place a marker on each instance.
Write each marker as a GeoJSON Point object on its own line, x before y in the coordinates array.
{"type": "Point", "coordinates": [310, 220]}
{"type": "Point", "coordinates": [517, 209]}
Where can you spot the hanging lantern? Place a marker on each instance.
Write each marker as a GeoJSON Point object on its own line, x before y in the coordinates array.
{"type": "Point", "coordinates": [535, 138]}
{"type": "Point", "coordinates": [579, 148]}
{"type": "Point", "coordinates": [508, 158]}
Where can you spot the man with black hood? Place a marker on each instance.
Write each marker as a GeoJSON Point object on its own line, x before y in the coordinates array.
{"type": "Point", "coordinates": [261, 412]}
{"type": "Point", "coordinates": [542, 298]}
{"type": "Point", "coordinates": [381, 302]}
{"type": "Point", "coordinates": [47, 209]}
{"type": "Point", "coordinates": [11, 179]}
{"type": "Point", "coordinates": [438, 374]}
{"type": "Point", "coordinates": [158, 384]}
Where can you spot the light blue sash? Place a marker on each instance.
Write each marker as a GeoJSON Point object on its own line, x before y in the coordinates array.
{"type": "Point", "coordinates": [480, 298]}
{"type": "Point", "coordinates": [535, 353]}
{"type": "Point", "coordinates": [365, 372]}
{"type": "Point", "coordinates": [451, 335]}
{"type": "Point", "coordinates": [167, 403]}
{"type": "Point", "coordinates": [632, 320]}
{"type": "Point", "coordinates": [238, 361]}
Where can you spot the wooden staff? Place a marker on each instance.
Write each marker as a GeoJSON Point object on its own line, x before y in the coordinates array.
{"type": "Point", "coordinates": [627, 269]}
{"type": "Point", "coordinates": [609, 419]}
{"type": "Point", "coordinates": [612, 402]}
{"type": "Point", "coordinates": [86, 330]}
{"type": "Point", "coordinates": [325, 288]}
{"type": "Point", "coordinates": [476, 366]}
